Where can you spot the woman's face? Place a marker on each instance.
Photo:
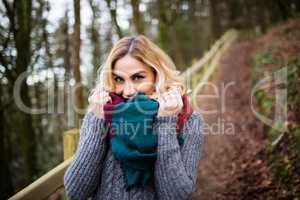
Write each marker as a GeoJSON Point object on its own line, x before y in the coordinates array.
{"type": "Point", "coordinates": [131, 76]}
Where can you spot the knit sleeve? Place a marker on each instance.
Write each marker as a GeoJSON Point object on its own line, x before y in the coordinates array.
{"type": "Point", "coordinates": [176, 167]}
{"type": "Point", "coordinates": [82, 176]}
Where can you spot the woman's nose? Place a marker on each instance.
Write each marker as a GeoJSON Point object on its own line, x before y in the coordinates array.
{"type": "Point", "coordinates": [129, 90]}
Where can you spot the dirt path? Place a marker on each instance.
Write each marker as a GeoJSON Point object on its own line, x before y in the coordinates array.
{"type": "Point", "coordinates": [232, 166]}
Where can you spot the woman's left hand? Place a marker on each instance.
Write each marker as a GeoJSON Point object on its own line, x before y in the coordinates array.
{"type": "Point", "coordinates": [170, 102]}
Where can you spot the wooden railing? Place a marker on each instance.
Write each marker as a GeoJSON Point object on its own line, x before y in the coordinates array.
{"type": "Point", "coordinates": [44, 186]}
{"type": "Point", "coordinates": [195, 76]}
{"type": "Point", "coordinates": [208, 56]}
{"type": "Point", "coordinates": [201, 72]}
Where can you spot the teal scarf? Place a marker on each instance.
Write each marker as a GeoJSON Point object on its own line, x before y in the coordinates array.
{"type": "Point", "coordinates": [132, 137]}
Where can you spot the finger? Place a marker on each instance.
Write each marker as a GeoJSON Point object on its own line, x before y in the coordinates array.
{"type": "Point", "coordinates": [176, 89]}
{"type": "Point", "coordinates": [105, 100]}
{"type": "Point", "coordinates": [172, 96]}
{"type": "Point", "coordinates": [177, 96]}
{"type": "Point", "coordinates": [173, 104]}
{"type": "Point", "coordinates": [176, 92]}
{"type": "Point", "coordinates": [170, 102]}
{"type": "Point", "coordinates": [105, 91]}
{"type": "Point", "coordinates": [167, 97]}
{"type": "Point", "coordinates": [177, 101]}
{"type": "Point", "coordinates": [97, 100]}
{"type": "Point", "coordinates": [108, 99]}
{"type": "Point", "coordinates": [103, 95]}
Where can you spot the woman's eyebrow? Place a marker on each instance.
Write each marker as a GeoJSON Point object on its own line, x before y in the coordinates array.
{"type": "Point", "coordinates": [138, 72]}
{"type": "Point", "coordinates": [134, 74]}
{"type": "Point", "coordinates": [115, 74]}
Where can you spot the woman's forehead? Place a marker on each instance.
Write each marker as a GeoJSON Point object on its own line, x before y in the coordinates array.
{"type": "Point", "coordinates": [129, 65]}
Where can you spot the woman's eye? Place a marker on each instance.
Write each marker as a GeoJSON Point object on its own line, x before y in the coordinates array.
{"type": "Point", "coordinates": [138, 77]}
{"type": "Point", "coordinates": [118, 80]}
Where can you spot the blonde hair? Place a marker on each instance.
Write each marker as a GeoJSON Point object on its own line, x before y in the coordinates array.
{"type": "Point", "coordinates": [142, 49]}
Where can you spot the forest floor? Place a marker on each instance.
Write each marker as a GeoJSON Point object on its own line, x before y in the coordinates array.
{"type": "Point", "coordinates": [234, 162]}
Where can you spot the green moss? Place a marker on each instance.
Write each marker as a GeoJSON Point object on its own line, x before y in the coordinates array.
{"type": "Point", "coordinates": [265, 58]}
{"type": "Point", "coordinates": [293, 70]}
{"type": "Point", "coordinates": [297, 137]}
{"type": "Point", "coordinates": [265, 102]}
{"type": "Point", "coordinates": [275, 131]}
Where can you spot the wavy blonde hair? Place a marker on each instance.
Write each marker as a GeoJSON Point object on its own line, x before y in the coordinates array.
{"type": "Point", "coordinates": [142, 49]}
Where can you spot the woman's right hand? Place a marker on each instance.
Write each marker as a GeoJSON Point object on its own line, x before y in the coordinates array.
{"type": "Point", "coordinates": [97, 100]}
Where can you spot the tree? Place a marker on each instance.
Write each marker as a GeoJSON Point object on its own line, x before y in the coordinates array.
{"type": "Point", "coordinates": [137, 17]}
{"type": "Point", "coordinates": [94, 35]}
{"type": "Point", "coordinates": [112, 6]}
{"type": "Point", "coordinates": [19, 14]}
{"type": "Point", "coordinates": [76, 59]}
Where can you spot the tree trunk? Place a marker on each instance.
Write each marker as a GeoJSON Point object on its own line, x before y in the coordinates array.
{"type": "Point", "coordinates": [283, 7]}
{"type": "Point", "coordinates": [6, 186]}
{"type": "Point", "coordinates": [79, 103]}
{"type": "Point", "coordinates": [215, 20]}
{"type": "Point", "coordinates": [137, 17]}
{"type": "Point", "coordinates": [112, 6]}
{"type": "Point", "coordinates": [95, 37]}
{"type": "Point", "coordinates": [24, 121]}
{"type": "Point", "coordinates": [163, 29]}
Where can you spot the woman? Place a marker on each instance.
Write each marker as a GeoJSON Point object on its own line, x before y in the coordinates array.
{"type": "Point", "coordinates": [136, 66]}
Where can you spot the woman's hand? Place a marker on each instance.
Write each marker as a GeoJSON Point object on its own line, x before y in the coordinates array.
{"type": "Point", "coordinates": [170, 102]}
{"type": "Point", "coordinates": [97, 100]}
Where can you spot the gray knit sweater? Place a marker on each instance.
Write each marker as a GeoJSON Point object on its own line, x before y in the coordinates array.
{"type": "Point", "coordinates": [95, 172]}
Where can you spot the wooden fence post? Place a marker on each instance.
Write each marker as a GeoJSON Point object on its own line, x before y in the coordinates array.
{"type": "Point", "coordinates": [71, 138]}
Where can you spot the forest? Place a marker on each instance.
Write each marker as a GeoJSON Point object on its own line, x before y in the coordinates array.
{"type": "Point", "coordinates": [50, 53]}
